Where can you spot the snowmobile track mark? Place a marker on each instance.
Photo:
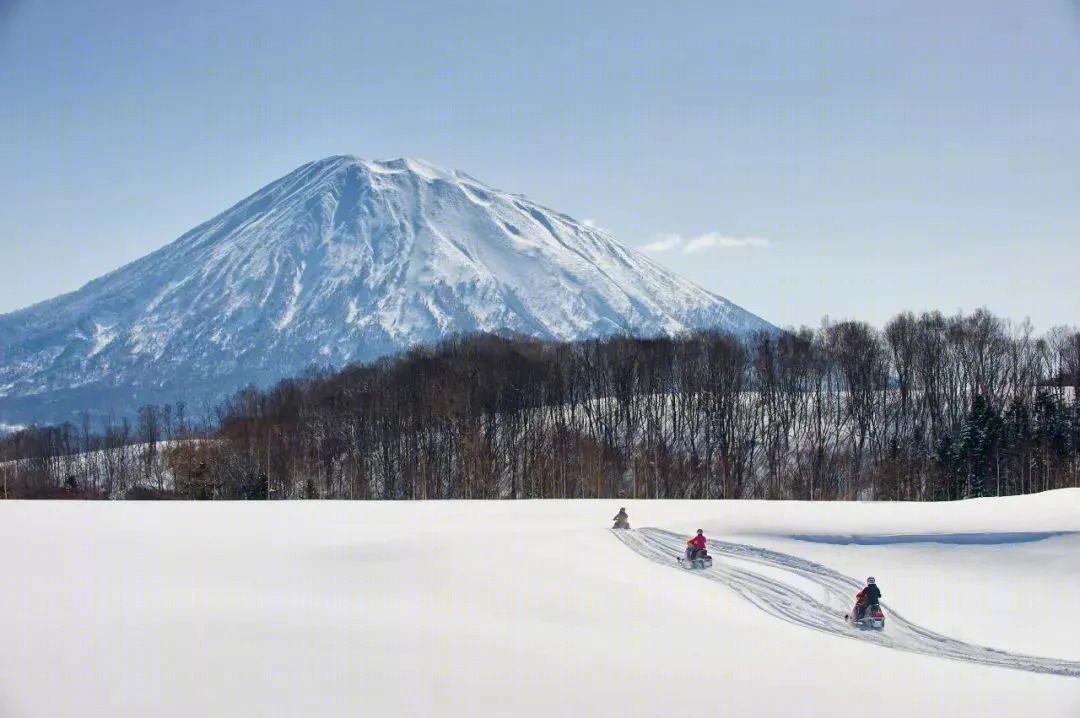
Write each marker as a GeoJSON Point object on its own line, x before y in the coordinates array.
{"type": "Point", "coordinates": [798, 607]}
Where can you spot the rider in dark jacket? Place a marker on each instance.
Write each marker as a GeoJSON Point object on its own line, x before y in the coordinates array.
{"type": "Point", "coordinates": [869, 596]}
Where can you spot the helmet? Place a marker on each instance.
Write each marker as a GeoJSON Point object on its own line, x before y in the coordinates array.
{"type": "Point", "coordinates": [870, 580]}
{"type": "Point", "coordinates": [700, 532]}
{"type": "Point", "coordinates": [623, 509]}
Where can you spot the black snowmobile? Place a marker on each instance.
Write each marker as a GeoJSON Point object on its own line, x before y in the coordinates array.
{"type": "Point", "coordinates": [696, 558]}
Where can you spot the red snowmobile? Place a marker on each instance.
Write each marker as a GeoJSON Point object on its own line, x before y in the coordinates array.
{"type": "Point", "coordinates": [867, 612]}
{"type": "Point", "coordinates": [871, 617]}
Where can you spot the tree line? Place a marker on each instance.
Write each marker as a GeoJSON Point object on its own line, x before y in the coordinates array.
{"type": "Point", "coordinates": [928, 408]}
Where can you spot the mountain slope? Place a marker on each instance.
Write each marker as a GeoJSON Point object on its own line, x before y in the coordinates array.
{"type": "Point", "coordinates": [341, 260]}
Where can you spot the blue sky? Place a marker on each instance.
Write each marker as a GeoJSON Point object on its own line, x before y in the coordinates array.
{"type": "Point", "coordinates": [848, 159]}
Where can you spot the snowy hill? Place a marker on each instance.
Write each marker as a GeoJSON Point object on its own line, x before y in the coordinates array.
{"type": "Point", "coordinates": [342, 260]}
{"type": "Point", "coordinates": [536, 608]}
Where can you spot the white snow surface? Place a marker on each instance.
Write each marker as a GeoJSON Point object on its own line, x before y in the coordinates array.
{"type": "Point", "coordinates": [362, 258]}
{"type": "Point", "coordinates": [535, 609]}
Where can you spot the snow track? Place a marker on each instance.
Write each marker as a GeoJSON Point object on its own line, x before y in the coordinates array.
{"type": "Point", "coordinates": [785, 600]}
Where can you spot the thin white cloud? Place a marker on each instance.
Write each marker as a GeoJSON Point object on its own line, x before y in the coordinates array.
{"type": "Point", "coordinates": [702, 242]}
{"type": "Point", "coordinates": [715, 240]}
{"type": "Point", "coordinates": [665, 243]}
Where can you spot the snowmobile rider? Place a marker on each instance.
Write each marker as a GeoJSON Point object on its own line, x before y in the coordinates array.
{"type": "Point", "coordinates": [622, 519]}
{"type": "Point", "coordinates": [696, 546]}
{"type": "Point", "coordinates": [869, 596]}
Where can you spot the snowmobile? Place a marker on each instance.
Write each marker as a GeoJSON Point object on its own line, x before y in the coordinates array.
{"type": "Point", "coordinates": [695, 559]}
{"type": "Point", "coordinates": [622, 521]}
{"type": "Point", "coordinates": [873, 617]}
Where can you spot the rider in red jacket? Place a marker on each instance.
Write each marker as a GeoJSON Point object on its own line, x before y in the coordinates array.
{"type": "Point", "coordinates": [696, 545]}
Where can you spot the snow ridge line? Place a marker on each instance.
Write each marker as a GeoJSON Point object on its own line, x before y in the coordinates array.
{"type": "Point", "coordinates": [795, 606]}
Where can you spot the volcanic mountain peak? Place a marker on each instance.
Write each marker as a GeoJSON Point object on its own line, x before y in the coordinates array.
{"type": "Point", "coordinates": [341, 260]}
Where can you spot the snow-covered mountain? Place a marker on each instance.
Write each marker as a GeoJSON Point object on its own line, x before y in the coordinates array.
{"type": "Point", "coordinates": [342, 260]}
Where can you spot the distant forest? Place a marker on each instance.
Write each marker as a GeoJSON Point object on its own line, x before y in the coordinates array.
{"type": "Point", "coordinates": [930, 408]}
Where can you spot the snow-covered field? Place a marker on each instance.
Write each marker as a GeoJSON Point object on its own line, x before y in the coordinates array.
{"type": "Point", "coordinates": [537, 609]}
